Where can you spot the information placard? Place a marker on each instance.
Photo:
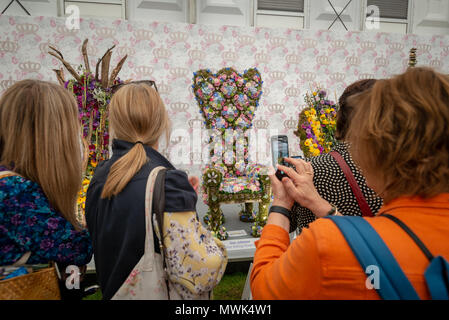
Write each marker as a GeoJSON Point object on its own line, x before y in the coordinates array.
{"type": "Point", "coordinates": [240, 244]}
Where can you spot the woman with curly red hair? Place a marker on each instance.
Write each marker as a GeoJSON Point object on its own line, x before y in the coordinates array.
{"type": "Point", "coordinates": [400, 139]}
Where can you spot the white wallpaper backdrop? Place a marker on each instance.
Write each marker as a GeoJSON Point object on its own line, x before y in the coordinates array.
{"type": "Point", "coordinates": [289, 61]}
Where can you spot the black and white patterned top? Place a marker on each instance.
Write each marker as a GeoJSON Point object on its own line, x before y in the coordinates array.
{"type": "Point", "coordinates": [331, 184]}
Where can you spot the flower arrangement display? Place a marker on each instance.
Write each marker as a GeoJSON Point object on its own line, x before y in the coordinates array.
{"type": "Point", "coordinates": [228, 102]}
{"type": "Point", "coordinates": [317, 124]}
{"type": "Point", "coordinates": [93, 92]}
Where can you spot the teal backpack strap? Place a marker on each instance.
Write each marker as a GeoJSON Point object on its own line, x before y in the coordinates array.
{"type": "Point", "coordinates": [370, 250]}
{"type": "Point", "coordinates": [437, 273]}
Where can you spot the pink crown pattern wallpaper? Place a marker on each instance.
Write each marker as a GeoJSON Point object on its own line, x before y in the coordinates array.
{"type": "Point", "coordinates": [289, 61]}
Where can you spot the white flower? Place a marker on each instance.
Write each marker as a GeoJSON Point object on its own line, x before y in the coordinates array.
{"type": "Point", "coordinates": [212, 177]}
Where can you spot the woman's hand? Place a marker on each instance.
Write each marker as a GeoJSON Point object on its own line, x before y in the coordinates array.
{"type": "Point", "coordinates": [195, 182]}
{"type": "Point", "coordinates": [281, 197]}
{"type": "Point", "coordinates": [300, 187]}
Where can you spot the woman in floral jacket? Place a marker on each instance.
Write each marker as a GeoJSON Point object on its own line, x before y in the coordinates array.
{"type": "Point", "coordinates": [40, 176]}
{"type": "Point", "coordinates": [115, 207]}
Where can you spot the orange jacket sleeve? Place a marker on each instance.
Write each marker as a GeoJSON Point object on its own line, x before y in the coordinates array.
{"type": "Point", "coordinates": [283, 271]}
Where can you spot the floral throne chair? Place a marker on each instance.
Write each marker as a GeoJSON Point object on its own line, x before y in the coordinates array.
{"type": "Point", "coordinates": [228, 101]}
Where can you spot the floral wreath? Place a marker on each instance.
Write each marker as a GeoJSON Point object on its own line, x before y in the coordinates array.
{"type": "Point", "coordinates": [93, 92]}
{"type": "Point", "coordinates": [317, 124]}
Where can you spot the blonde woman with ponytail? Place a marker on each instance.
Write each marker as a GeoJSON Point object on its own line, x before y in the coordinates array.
{"type": "Point", "coordinates": [40, 176]}
{"type": "Point", "coordinates": [116, 212]}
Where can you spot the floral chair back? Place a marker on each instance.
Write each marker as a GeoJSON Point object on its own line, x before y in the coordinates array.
{"type": "Point", "coordinates": [228, 101]}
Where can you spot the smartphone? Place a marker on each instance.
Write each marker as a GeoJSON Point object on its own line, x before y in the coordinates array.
{"type": "Point", "coordinates": [279, 151]}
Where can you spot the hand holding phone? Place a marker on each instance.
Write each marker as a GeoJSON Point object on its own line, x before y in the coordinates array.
{"type": "Point", "coordinates": [279, 151]}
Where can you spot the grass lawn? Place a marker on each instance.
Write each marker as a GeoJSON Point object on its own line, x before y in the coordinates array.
{"type": "Point", "coordinates": [95, 296]}
{"type": "Point", "coordinates": [230, 288]}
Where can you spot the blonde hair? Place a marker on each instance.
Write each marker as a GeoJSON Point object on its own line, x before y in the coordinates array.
{"type": "Point", "coordinates": [136, 113]}
{"type": "Point", "coordinates": [40, 140]}
{"type": "Point", "coordinates": [401, 134]}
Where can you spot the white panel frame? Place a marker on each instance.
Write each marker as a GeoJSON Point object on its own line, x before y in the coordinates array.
{"type": "Point", "coordinates": [205, 14]}
{"type": "Point", "coordinates": [122, 3]}
{"type": "Point", "coordinates": [281, 14]}
{"type": "Point", "coordinates": [419, 15]}
{"type": "Point", "coordinates": [407, 21]}
{"type": "Point", "coordinates": [319, 10]}
{"type": "Point", "coordinates": [41, 8]}
{"type": "Point", "coordinates": [135, 13]}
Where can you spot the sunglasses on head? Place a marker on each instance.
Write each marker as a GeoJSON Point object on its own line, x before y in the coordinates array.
{"type": "Point", "coordinates": [150, 83]}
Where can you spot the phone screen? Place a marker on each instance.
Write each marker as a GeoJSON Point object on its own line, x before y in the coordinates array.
{"type": "Point", "coordinates": [279, 149]}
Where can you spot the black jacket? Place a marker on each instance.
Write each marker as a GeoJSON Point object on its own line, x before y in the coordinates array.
{"type": "Point", "coordinates": [117, 225]}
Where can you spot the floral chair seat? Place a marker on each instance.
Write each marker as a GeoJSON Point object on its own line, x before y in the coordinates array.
{"type": "Point", "coordinates": [228, 101]}
{"type": "Point", "coordinates": [239, 184]}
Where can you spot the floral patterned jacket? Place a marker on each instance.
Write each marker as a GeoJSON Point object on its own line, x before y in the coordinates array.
{"type": "Point", "coordinates": [29, 223]}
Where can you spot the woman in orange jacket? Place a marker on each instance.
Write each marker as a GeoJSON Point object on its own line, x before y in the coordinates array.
{"type": "Point", "coordinates": [400, 139]}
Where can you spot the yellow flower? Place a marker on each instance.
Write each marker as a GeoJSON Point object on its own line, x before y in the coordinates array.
{"type": "Point", "coordinates": [307, 113]}
{"type": "Point", "coordinates": [315, 93]}
{"type": "Point", "coordinates": [328, 110]}
{"type": "Point", "coordinates": [316, 152]}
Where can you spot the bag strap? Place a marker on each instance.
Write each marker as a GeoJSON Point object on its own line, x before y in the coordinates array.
{"type": "Point", "coordinates": [437, 273]}
{"type": "Point", "coordinates": [158, 214]}
{"type": "Point", "coordinates": [159, 204]}
{"type": "Point", "coordinates": [371, 250]}
{"type": "Point", "coordinates": [23, 260]}
{"type": "Point", "coordinates": [412, 235]}
{"type": "Point", "coordinates": [149, 236]}
{"type": "Point", "coordinates": [361, 200]}
{"type": "Point", "coordinates": [4, 174]}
